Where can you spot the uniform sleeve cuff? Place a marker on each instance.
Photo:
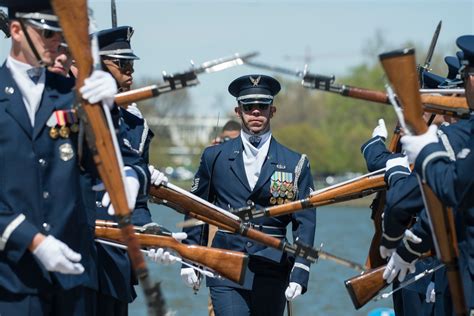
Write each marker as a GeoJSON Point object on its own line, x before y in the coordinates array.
{"type": "Point", "coordinates": [396, 173]}
{"type": "Point", "coordinates": [19, 240]}
{"type": "Point", "coordinates": [143, 177]}
{"type": "Point", "coordinates": [300, 275]}
{"type": "Point", "coordinates": [370, 142]}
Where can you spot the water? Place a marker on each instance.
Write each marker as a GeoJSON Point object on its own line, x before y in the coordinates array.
{"type": "Point", "coordinates": [345, 231]}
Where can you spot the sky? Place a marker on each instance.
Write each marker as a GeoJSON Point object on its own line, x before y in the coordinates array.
{"type": "Point", "coordinates": [331, 34]}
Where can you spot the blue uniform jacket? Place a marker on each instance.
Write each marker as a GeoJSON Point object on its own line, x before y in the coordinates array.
{"type": "Point", "coordinates": [115, 273]}
{"type": "Point", "coordinates": [453, 183]}
{"type": "Point", "coordinates": [43, 189]}
{"type": "Point", "coordinates": [221, 179]}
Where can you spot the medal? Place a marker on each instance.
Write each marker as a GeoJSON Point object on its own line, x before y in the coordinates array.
{"type": "Point", "coordinates": [53, 133]}
{"type": "Point", "coordinates": [290, 195]}
{"type": "Point", "coordinates": [74, 128]}
{"type": "Point", "coordinates": [64, 131]}
{"type": "Point", "coordinates": [280, 201]}
{"type": "Point", "coordinates": [273, 200]}
{"type": "Point", "coordinates": [66, 152]}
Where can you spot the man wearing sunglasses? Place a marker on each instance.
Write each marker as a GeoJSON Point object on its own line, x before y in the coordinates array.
{"type": "Point", "coordinates": [255, 168]}
{"type": "Point", "coordinates": [116, 282]}
{"type": "Point", "coordinates": [47, 206]}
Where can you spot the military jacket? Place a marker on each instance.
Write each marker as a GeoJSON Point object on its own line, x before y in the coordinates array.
{"type": "Point", "coordinates": [221, 179]}
{"type": "Point", "coordinates": [44, 188]}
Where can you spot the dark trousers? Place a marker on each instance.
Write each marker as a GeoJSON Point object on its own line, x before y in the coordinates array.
{"type": "Point", "coordinates": [267, 296]}
{"type": "Point", "coordinates": [108, 305]}
{"type": "Point", "coordinates": [78, 301]}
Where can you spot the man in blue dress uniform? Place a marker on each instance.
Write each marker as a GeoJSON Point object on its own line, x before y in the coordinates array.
{"type": "Point", "coordinates": [116, 279]}
{"type": "Point", "coordinates": [451, 180]}
{"type": "Point", "coordinates": [255, 168]}
{"type": "Point", "coordinates": [47, 206]}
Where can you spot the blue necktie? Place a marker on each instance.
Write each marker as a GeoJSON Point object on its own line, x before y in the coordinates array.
{"type": "Point", "coordinates": [34, 74]}
{"type": "Point", "coordinates": [255, 140]}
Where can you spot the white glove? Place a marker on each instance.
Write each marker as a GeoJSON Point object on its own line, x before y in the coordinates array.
{"type": "Point", "coordinates": [189, 277]}
{"type": "Point", "coordinates": [386, 252]}
{"type": "Point", "coordinates": [56, 256]}
{"type": "Point", "coordinates": [161, 256]}
{"type": "Point", "coordinates": [430, 293]}
{"type": "Point", "coordinates": [399, 161]}
{"type": "Point", "coordinates": [412, 237]}
{"type": "Point", "coordinates": [380, 130]}
{"type": "Point", "coordinates": [397, 266]}
{"type": "Point", "coordinates": [412, 145]}
{"type": "Point", "coordinates": [100, 87]}
{"type": "Point", "coordinates": [157, 177]}
{"type": "Point", "coordinates": [293, 291]}
{"type": "Point", "coordinates": [132, 185]}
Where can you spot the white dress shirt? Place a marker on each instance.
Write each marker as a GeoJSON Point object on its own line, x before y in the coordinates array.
{"type": "Point", "coordinates": [31, 92]}
{"type": "Point", "coordinates": [254, 157]}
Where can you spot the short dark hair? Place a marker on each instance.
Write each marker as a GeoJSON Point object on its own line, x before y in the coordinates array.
{"type": "Point", "coordinates": [232, 125]}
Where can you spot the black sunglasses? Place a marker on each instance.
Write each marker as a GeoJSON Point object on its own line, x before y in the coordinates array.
{"type": "Point", "coordinates": [251, 106]}
{"type": "Point", "coordinates": [123, 63]}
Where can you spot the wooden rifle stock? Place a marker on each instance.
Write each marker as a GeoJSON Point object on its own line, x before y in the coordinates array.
{"type": "Point", "coordinates": [193, 206]}
{"type": "Point", "coordinates": [229, 264]}
{"type": "Point", "coordinates": [365, 94]}
{"type": "Point", "coordinates": [438, 104]}
{"type": "Point", "coordinates": [364, 287]}
{"type": "Point", "coordinates": [400, 68]}
{"type": "Point", "coordinates": [352, 190]}
{"type": "Point", "coordinates": [74, 21]}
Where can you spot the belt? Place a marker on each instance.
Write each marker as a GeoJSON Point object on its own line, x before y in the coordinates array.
{"type": "Point", "coordinates": [273, 231]}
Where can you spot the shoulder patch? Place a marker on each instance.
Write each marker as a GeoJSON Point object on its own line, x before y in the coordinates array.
{"type": "Point", "coordinates": [195, 184]}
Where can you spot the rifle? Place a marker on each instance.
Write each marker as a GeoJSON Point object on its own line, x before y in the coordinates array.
{"type": "Point", "coordinates": [374, 259]}
{"type": "Point", "coordinates": [229, 264]}
{"type": "Point", "coordinates": [400, 68]}
{"type": "Point", "coordinates": [348, 190]}
{"type": "Point", "coordinates": [4, 24]}
{"type": "Point", "coordinates": [73, 18]}
{"type": "Point", "coordinates": [189, 204]}
{"type": "Point", "coordinates": [181, 80]}
{"type": "Point", "coordinates": [366, 286]}
{"type": "Point", "coordinates": [439, 104]}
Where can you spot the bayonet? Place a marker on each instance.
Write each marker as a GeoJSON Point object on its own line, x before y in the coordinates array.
{"type": "Point", "coordinates": [429, 55]}
{"type": "Point", "coordinates": [113, 9]}
{"type": "Point", "coordinates": [182, 80]}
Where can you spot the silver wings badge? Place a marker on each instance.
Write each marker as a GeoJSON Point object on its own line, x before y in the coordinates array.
{"type": "Point", "coordinates": [255, 81]}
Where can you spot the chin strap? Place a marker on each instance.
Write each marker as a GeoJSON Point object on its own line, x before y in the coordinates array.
{"type": "Point", "coordinates": [32, 46]}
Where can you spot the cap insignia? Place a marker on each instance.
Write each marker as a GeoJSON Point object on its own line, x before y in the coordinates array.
{"type": "Point", "coordinates": [256, 81]}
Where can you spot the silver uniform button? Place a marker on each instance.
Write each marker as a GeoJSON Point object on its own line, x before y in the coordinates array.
{"type": "Point", "coordinates": [46, 227]}
{"type": "Point", "coordinates": [9, 90]}
{"type": "Point", "coordinates": [42, 162]}
{"type": "Point", "coordinates": [249, 244]}
{"type": "Point", "coordinates": [45, 194]}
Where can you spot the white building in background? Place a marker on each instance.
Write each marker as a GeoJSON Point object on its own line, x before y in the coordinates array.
{"type": "Point", "coordinates": [188, 134]}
